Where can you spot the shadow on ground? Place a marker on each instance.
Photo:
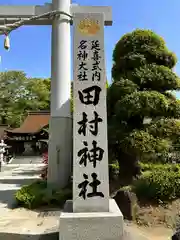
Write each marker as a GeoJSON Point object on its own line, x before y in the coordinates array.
{"type": "Point", "coordinates": [14, 236]}
{"type": "Point", "coordinates": [7, 197]}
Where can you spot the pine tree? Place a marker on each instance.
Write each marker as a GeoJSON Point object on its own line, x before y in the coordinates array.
{"type": "Point", "coordinates": [143, 81]}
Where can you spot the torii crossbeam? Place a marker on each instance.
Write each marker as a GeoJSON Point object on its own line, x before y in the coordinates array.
{"type": "Point", "coordinates": [60, 135]}
{"type": "Point", "coordinates": [11, 13]}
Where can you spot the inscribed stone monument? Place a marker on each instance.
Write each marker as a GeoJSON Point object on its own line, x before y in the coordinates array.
{"type": "Point", "coordinates": [90, 156]}
{"type": "Point", "coordinates": [91, 214]}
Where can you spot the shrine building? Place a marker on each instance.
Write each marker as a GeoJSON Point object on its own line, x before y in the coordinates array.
{"type": "Point", "coordinates": [30, 133]}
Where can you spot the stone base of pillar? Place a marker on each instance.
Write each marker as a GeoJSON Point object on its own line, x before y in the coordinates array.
{"type": "Point", "coordinates": [95, 225]}
{"type": "Point", "coordinates": [59, 151]}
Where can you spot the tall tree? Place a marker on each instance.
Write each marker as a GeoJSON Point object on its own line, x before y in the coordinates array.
{"type": "Point", "coordinates": [20, 94]}
{"type": "Point", "coordinates": [12, 88]}
{"type": "Point", "coordinates": [143, 79]}
{"type": "Point", "coordinates": [38, 94]}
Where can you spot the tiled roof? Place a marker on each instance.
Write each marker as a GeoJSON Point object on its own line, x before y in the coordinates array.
{"type": "Point", "coordinates": [33, 123]}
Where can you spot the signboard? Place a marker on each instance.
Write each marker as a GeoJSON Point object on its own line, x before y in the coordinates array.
{"type": "Point", "coordinates": [90, 155]}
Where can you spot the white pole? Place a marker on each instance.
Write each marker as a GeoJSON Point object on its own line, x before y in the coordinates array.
{"type": "Point", "coordinates": [61, 68]}
{"type": "Point", "coordinates": [60, 139]}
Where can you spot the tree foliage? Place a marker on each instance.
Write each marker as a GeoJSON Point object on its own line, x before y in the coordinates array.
{"type": "Point", "coordinates": [143, 79]}
{"type": "Point", "coordinates": [20, 94]}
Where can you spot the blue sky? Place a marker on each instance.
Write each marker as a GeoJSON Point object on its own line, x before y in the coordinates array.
{"type": "Point", "coordinates": [30, 46]}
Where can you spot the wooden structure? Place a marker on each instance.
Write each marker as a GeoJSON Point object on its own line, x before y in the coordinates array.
{"type": "Point", "coordinates": [30, 132]}
{"type": "Point", "coordinates": [3, 128]}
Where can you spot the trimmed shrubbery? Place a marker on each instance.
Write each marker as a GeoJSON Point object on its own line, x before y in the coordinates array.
{"type": "Point", "coordinates": [37, 194]}
{"type": "Point", "coordinates": [158, 183]}
{"type": "Point", "coordinates": [143, 113]}
{"type": "Point", "coordinates": [164, 167]}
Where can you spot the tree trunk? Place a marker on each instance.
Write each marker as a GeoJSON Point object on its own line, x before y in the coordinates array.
{"type": "Point", "coordinates": [129, 167]}
{"type": "Point", "coordinates": [3, 120]}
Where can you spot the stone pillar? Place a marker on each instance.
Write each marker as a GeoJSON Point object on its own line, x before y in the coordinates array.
{"type": "Point", "coordinates": [90, 153]}
{"type": "Point", "coordinates": [91, 214]}
{"type": "Point", "coordinates": [60, 130]}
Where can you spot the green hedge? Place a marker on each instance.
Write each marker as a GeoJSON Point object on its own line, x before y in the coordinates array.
{"type": "Point", "coordinates": [163, 167]}
{"type": "Point", "coordinates": [37, 194]}
{"type": "Point", "coordinates": [161, 184]}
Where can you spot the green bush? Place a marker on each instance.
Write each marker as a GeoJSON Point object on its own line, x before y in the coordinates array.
{"type": "Point", "coordinates": [161, 158]}
{"type": "Point", "coordinates": [161, 184]}
{"type": "Point", "coordinates": [163, 167]}
{"type": "Point", "coordinates": [113, 171]}
{"type": "Point", "coordinates": [38, 194]}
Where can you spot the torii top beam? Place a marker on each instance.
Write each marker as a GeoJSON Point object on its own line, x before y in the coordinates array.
{"type": "Point", "coordinates": [11, 13]}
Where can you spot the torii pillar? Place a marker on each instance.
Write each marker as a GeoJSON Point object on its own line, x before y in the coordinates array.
{"type": "Point", "coordinates": [60, 135]}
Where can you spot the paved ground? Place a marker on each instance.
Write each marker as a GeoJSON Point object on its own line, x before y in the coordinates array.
{"type": "Point", "coordinates": [37, 222]}
{"type": "Point", "coordinates": [22, 160]}
{"type": "Point", "coordinates": [21, 172]}
{"type": "Point", "coordinates": [27, 160]}
{"type": "Point", "coordinates": [12, 176]}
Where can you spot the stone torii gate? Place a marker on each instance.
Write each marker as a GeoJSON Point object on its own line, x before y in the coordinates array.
{"type": "Point", "coordinates": [60, 136]}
